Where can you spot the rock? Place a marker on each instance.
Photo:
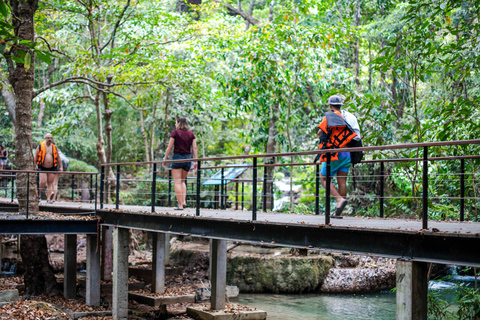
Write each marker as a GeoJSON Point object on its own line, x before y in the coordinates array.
{"type": "Point", "coordinates": [9, 295]}
{"type": "Point", "coordinates": [202, 294]}
{"type": "Point", "coordinates": [278, 274]}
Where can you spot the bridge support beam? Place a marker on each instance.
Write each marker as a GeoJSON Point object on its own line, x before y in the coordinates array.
{"type": "Point", "coordinates": [120, 273]}
{"type": "Point", "coordinates": [107, 253]}
{"type": "Point", "coordinates": [158, 262]}
{"type": "Point", "coordinates": [218, 272]}
{"type": "Point", "coordinates": [70, 266]}
{"type": "Point", "coordinates": [412, 289]}
{"type": "Point", "coordinates": [93, 271]}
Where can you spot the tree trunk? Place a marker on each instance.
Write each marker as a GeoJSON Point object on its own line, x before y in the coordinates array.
{"type": "Point", "coordinates": [39, 277]}
{"type": "Point", "coordinates": [271, 145]}
{"type": "Point", "coordinates": [22, 81]}
{"type": "Point", "coordinates": [8, 95]}
{"type": "Point", "coordinates": [357, 46]}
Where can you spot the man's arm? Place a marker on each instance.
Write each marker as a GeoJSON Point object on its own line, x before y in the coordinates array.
{"type": "Point", "coordinates": [35, 158]}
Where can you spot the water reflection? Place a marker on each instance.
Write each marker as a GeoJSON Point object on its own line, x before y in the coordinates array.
{"type": "Point", "coordinates": [319, 306]}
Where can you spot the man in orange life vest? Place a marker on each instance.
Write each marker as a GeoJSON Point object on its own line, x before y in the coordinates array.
{"type": "Point", "coordinates": [48, 161]}
{"type": "Point", "coordinates": [337, 129]}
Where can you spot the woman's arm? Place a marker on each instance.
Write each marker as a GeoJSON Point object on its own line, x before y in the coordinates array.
{"type": "Point", "coordinates": [195, 153]}
{"type": "Point", "coordinates": [171, 144]}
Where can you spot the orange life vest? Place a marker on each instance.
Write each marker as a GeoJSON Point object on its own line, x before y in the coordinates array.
{"type": "Point", "coordinates": [42, 151]}
{"type": "Point", "coordinates": [336, 134]}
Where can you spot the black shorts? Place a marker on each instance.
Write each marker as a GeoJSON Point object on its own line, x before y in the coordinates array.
{"type": "Point", "coordinates": [182, 165]}
{"type": "Point", "coordinates": [41, 168]}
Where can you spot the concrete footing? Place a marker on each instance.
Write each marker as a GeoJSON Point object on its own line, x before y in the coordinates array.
{"type": "Point", "coordinates": [412, 289]}
{"type": "Point", "coordinates": [120, 273]}
{"type": "Point", "coordinates": [107, 253]}
{"type": "Point", "coordinates": [70, 266]}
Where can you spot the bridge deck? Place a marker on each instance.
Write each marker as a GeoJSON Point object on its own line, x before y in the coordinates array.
{"type": "Point", "coordinates": [444, 242]}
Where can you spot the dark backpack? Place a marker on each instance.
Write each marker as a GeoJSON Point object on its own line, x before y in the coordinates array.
{"type": "Point", "coordinates": [355, 156]}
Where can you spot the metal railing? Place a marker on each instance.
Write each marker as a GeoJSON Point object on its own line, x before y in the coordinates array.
{"type": "Point", "coordinates": [255, 166]}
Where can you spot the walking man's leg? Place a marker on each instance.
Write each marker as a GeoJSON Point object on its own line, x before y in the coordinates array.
{"type": "Point", "coordinates": [41, 184]}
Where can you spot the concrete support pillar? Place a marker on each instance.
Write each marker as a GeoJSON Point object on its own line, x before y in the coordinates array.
{"type": "Point", "coordinates": [70, 266]}
{"type": "Point", "coordinates": [93, 271]}
{"type": "Point", "coordinates": [120, 273]}
{"type": "Point", "coordinates": [412, 287]}
{"type": "Point", "coordinates": [218, 269]}
{"type": "Point", "coordinates": [107, 253]}
{"type": "Point", "coordinates": [158, 262]}
{"type": "Point", "coordinates": [167, 248]}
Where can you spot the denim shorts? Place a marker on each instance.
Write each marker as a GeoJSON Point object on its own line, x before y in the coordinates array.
{"type": "Point", "coordinates": [182, 165]}
{"type": "Point", "coordinates": [342, 164]}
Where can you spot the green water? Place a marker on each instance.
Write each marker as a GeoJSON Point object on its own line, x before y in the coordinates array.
{"type": "Point", "coordinates": [379, 306]}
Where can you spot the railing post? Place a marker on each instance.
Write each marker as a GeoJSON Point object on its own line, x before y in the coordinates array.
{"type": "Point", "coordinates": [462, 189]}
{"type": "Point", "coordinates": [117, 191]}
{"type": "Point", "coordinates": [96, 190]}
{"type": "Point", "coordinates": [317, 189]}
{"type": "Point", "coordinates": [425, 189]}
{"type": "Point", "coordinates": [382, 173]}
{"type": "Point", "coordinates": [222, 184]}
{"type": "Point", "coordinates": [154, 185]}
{"type": "Point", "coordinates": [170, 187]}
{"type": "Point", "coordinates": [243, 195]}
{"type": "Point", "coordinates": [28, 192]}
{"type": "Point", "coordinates": [327, 190]}
{"type": "Point", "coordinates": [254, 191]}
{"type": "Point", "coordinates": [91, 188]}
{"type": "Point", "coordinates": [12, 185]}
{"type": "Point", "coordinates": [199, 176]}
{"type": "Point", "coordinates": [265, 189]}
{"type": "Point", "coordinates": [102, 185]}
{"type": "Point", "coordinates": [73, 187]}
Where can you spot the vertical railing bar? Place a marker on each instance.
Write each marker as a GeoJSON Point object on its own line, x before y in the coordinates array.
{"type": "Point", "coordinates": [12, 185]}
{"type": "Point", "coordinates": [91, 188]}
{"type": "Point", "coordinates": [170, 187]}
{"type": "Point", "coordinates": [265, 189]}
{"type": "Point", "coordinates": [222, 184]}
{"type": "Point", "coordinates": [102, 185]}
{"type": "Point", "coordinates": [382, 174]}
{"type": "Point", "coordinates": [96, 191]}
{"type": "Point", "coordinates": [317, 189]}
{"type": "Point", "coordinates": [117, 193]}
{"type": "Point", "coordinates": [243, 195]}
{"type": "Point", "coordinates": [254, 191]}
{"type": "Point", "coordinates": [425, 189]}
{"type": "Point", "coordinates": [199, 174]}
{"type": "Point", "coordinates": [154, 186]}
{"type": "Point", "coordinates": [327, 188]}
{"type": "Point", "coordinates": [28, 192]}
{"type": "Point", "coordinates": [73, 187]}
{"type": "Point", "coordinates": [462, 189]}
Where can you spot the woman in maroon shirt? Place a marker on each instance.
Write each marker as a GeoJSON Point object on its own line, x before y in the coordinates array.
{"type": "Point", "coordinates": [183, 143]}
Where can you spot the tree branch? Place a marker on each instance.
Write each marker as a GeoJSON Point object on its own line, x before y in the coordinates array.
{"type": "Point", "coordinates": [117, 25]}
{"type": "Point", "coordinates": [241, 13]}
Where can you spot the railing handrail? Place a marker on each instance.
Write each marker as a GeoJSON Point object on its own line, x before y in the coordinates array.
{"type": "Point", "coordinates": [314, 152]}
{"type": "Point", "coordinates": [54, 172]}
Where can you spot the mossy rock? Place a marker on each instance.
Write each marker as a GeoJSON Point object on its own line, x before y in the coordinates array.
{"type": "Point", "coordinates": [278, 274]}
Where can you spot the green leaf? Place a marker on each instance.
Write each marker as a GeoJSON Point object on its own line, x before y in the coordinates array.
{"type": "Point", "coordinates": [3, 8]}
{"type": "Point", "coordinates": [44, 56]}
{"type": "Point", "coordinates": [28, 61]}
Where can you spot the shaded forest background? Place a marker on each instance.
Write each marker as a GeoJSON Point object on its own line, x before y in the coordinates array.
{"type": "Point", "coordinates": [111, 76]}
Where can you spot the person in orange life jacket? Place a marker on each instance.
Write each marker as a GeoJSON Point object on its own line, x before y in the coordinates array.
{"type": "Point", "coordinates": [339, 137]}
{"type": "Point", "coordinates": [183, 143]}
{"type": "Point", "coordinates": [48, 161]}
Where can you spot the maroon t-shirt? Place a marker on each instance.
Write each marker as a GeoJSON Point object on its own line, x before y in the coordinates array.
{"type": "Point", "coordinates": [183, 141]}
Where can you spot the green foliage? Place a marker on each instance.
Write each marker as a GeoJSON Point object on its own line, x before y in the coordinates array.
{"type": "Point", "coordinates": [81, 166]}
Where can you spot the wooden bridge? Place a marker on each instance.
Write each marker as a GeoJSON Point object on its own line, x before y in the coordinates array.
{"type": "Point", "coordinates": [414, 242]}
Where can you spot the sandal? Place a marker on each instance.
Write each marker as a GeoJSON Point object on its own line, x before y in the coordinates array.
{"type": "Point", "coordinates": [338, 212]}
{"type": "Point", "coordinates": [178, 208]}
